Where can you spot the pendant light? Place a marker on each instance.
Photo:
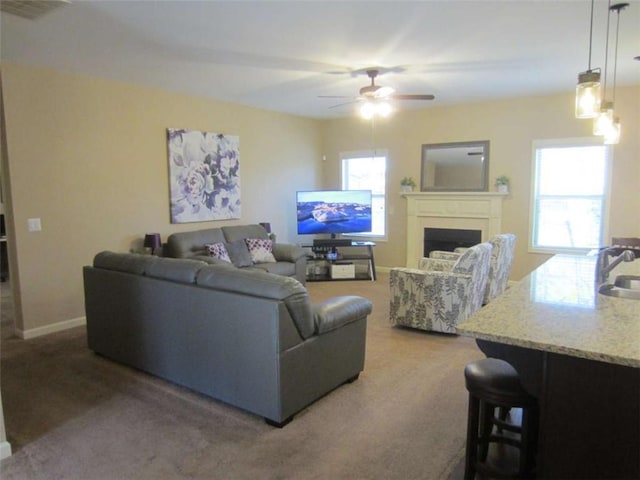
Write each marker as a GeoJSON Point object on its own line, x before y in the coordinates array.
{"type": "Point", "coordinates": [588, 88]}
{"type": "Point", "coordinates": [613, 133]}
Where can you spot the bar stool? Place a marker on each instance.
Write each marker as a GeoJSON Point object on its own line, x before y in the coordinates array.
{"type": "Point", "coordinates": [495, 384]}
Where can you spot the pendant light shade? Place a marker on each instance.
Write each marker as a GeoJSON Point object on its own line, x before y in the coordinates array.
{"type": "Point", "coordinates": [604, 121]}
{"type": "Point", "coordinates": [612, 136]}
{"type": "Point", "coordinates": [588, 96]}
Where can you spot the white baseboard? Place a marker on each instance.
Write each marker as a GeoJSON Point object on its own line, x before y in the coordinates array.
{"type": "Point", "coordinates": [54, 327]}
{"type": "Point", "coordinates": [5, 450]}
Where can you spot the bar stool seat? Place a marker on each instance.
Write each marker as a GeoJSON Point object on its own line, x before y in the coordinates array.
{"type": "Point", "coordinates": [494, 384]}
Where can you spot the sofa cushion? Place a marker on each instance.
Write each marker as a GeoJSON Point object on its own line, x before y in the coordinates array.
{"type": "Point", "coordinates": [124, 262]}
{"type": "Point", "coordinates": [240, 232]}
{"type": "Point", "coordinates": [260, 250]}
{"type": "Point", "coordinates": [262, 284]}
{"type": "Point", "coordinates": [176, 269]}
{"type": "Point", "coordinates": [239, 253]}
{"type": "Point", "coordinates": [287, 269]}
{"type": "Point", "coordinates": [219, 251]}
{"type": "Point", "coordinates": [188, 244]}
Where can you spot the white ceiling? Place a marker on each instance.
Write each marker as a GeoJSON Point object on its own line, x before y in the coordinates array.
{"type": "Point", "coordinates": [282, 55]}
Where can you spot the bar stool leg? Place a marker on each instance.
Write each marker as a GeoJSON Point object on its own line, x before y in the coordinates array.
{"type": "Point", "coordinates": [471, 454]}
{"type": "Point", "coordinates": [487, 412]}
{"type": "Point", "coordinates": [529, 442]}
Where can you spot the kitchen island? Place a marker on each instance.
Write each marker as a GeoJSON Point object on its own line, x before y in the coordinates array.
{"type": "Point", "coordinates": [578, 352]}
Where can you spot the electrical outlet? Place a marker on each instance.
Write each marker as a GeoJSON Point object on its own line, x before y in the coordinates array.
{"type": "Point", "coordinates": [34, 224]}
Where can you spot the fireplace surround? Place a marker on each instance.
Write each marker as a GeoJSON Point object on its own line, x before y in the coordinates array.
{"type": "Point", "coordinates": [481, 211]}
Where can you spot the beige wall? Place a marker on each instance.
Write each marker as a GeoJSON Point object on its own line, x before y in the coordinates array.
{"type": "Point", "coordinates": [89, 158]}
{"type": "Point", "coordinates": [511, 126]}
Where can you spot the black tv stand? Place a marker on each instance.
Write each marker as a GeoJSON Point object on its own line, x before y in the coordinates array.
{"type": "Point", "coordinates": [332, 242]}
{"type": "Point", "coordinates": [320, 259]}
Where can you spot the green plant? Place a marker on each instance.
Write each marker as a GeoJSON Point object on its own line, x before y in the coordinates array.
{"type": "Point", "coordinates": [502, 180]}
{"type": "Point", "coordinates": [407, 182]}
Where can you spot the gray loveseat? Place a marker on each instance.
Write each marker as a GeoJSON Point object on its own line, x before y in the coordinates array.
{"type": "Point", "coordinates": [291, 260]}
{"type": "Point", "coordinates": [246, 337]}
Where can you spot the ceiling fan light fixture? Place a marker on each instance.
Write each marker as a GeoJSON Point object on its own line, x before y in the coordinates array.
{"type": "Point", "coordinates": [367, 110]}
{"type": "Point", "coordinates": [384, 109]}
{"type": "Point", "coordinates": [370, 109]}
{"type": "Point", "coordinates": [384, 91]}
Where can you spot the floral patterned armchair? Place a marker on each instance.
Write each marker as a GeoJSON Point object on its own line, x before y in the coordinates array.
{"type": "Point", "coordinates": [442, 293]}
{"type": "Point", "coordinates": [499, 268]}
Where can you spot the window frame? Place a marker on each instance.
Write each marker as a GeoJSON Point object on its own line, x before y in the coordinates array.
{"type": "Point", "coordinates": [368, 154]}
{"type": "Point", "coordinates": [577, 143]}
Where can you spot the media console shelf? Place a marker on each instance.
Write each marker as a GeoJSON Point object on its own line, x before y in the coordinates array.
{"type": "Point", "coordinates": [324, 257]}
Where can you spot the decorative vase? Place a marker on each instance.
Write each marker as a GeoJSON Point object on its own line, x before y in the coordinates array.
{"type": "Point", "coordinates": [406, 188]}
{"type": "Point", "coordinates": [503, 188]}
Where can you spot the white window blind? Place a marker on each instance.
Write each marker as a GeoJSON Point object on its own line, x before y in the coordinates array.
{"type": "Point", "coordinates": [368, 171]}
{"type": "Point", "coordinates": [569, 201]}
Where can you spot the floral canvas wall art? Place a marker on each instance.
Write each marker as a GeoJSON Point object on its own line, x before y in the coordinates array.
{"type": "Point", "coordinates": [204, 175]}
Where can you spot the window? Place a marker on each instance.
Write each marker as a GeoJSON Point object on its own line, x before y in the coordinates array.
{"type": "Point", "coordinates": [569, 191]}
{"type": "Point", "coordinates": [367, 171]}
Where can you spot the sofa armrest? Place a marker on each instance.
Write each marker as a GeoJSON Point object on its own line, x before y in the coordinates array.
{"type": "Point", "coordinates": [335, 312]}
{"type": "Point", "coordinates": [285, 252]}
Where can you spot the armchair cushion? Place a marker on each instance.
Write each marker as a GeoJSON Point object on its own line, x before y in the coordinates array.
{"type": "Point", "coordinates": [443, 255]}
{"type": "Point", "coordinates": [435, 264]}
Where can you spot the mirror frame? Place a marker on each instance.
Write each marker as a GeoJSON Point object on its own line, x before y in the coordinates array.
{"type": "Point", "coordinates": [483, 185]}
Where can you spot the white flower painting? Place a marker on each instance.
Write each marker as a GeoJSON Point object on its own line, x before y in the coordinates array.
{"type": "Point", "coordinates": [204, 171]}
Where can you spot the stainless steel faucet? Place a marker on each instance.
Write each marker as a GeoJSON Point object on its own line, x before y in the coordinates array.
{"type": "Point", "coordinates": [603, 267]}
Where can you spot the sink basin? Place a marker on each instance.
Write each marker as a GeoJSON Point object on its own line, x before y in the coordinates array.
{"type": "Point", "coordinates": [611, 290]}
{"type": "Point", "coordinates": [628, 281]}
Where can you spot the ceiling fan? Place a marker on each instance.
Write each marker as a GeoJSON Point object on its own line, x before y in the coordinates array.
{"type": "Point", "coordinates": [373, 93]}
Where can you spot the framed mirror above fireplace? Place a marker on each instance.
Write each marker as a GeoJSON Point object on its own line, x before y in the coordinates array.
{"type": "Point", "coordinates": [455, 167]}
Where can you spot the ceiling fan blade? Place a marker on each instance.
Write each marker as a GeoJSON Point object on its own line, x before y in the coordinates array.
{"type": "Point", "coordinates": [343, 104]}
{"type": "Point", "coordinates": [335, 96]}
{"type": "Point", "coordinates": [413, 97]}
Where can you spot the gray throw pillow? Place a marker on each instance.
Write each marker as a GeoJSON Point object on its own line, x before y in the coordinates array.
{"type": "Point", "coordinates": [239, 253]}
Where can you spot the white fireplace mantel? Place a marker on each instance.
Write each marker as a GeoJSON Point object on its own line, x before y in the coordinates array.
{"type": "Point", "coordinates": [465, 210]}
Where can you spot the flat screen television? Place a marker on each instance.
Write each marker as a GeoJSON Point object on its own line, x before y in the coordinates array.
{"type": "Point", "coordinates": [333, 211]}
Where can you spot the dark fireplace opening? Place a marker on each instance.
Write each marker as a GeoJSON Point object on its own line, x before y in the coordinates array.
{"type": "Point", "coordinates": [448, 239]}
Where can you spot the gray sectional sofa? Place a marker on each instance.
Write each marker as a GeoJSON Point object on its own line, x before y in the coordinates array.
{"type": "Point", "coordinates": [291, 260]}
{"type": "Point", "coordinates": [246, 337]}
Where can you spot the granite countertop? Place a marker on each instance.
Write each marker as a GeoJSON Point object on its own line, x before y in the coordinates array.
{"type": "Point", "coordinates": [557, 309]}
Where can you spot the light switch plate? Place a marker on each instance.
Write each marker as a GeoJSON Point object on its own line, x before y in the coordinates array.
{"type": "Point", "coordinates": [34, 224]}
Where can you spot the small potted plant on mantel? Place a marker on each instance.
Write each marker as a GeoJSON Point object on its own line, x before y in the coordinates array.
{"type": "Point", "coordinates": [502, 184]}
{"type": "Point", "coordinates": [407, 184]}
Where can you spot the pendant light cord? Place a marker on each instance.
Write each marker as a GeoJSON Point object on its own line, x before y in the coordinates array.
{"type": "Point", "coordinates": [591, 34]}
{"type": "Point", "coordinates": [615, 58]}
{"type": "Point", "coordinates": [606, 53]}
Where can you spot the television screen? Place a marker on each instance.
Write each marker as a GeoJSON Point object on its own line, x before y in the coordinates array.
{"type": "Point", "coordinates": [334, 211]}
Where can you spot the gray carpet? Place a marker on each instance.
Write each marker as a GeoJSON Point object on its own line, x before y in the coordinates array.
{"type": "Point", "coordinates": [71, 414]}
